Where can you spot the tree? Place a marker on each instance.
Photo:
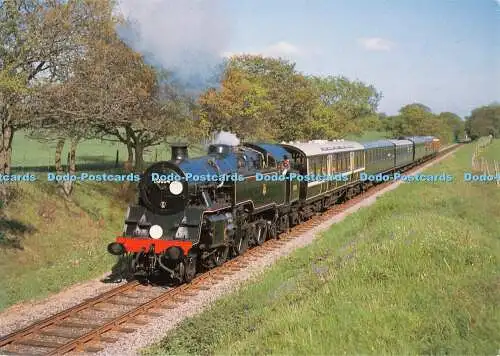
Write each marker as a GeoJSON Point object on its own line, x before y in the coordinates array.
{"type": "Point", "coordinates": [418, 119]}
{"type": "Point", "coordinates": [117, 96]}
{"type": "Point", "coordinates": [39, 40]}
{"type": "Point", "coordinates": [263, 93]}
{"type": "Point", "coordinates": [455, 124]}
{"type": "Point", "coordinates": [344, 106]}
{"type": "Point", "coordinates": [241, 106]}
{"type": "Point", "coordinates": [484, 121]}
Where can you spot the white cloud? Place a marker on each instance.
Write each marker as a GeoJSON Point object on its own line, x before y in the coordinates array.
{"type": "Point", "coordinates": [376, 44]}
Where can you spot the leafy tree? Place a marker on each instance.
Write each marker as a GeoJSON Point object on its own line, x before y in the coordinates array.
{"type": "Point", "coordinates": [344, 106]}
{"type": "Point", "coordinates": [455, 124]}
{"type": "Point", "coordinates": [38, 42]}
{"type": "Point", "coordinates": [117, 96]}
{"type": "Point", "coordinates": [263, 94]}
{"type": "Point", "coordinates": [484, 121]}
{"type": "Point", "coordinates": [418, 119]}
{"type": "Point", "coordinates": [240, 106]}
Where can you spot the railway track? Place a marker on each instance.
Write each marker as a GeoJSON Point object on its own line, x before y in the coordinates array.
{"type": "Point", "coordinates": [88, 326]}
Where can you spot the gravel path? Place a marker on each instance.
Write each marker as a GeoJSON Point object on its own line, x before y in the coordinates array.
{"type": "Point", "coordinates": [23, 314]}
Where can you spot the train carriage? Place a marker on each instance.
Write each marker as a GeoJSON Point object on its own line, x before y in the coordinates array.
{"type": "Point", "coordinates": [379, 156]}
{"type": "Point", "coordinates": [403, 151]}
{"type": "Point", "coordinates": [337, 164]}
{"type": "Point", "coordinates": [436, 146]}
{"type": "Point", "coordinates": [422, 146]}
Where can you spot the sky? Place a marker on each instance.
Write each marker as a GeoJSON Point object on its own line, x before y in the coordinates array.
{"type": "Point", "coordinates": [442, 53]}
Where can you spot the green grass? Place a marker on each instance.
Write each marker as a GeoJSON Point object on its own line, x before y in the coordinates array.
{"type": "Point", "coordinates": [416, 273]}
{"type": "Point", "coordinates": [62, 243]}
{"type": "Point", "coordinates": [492, 151]}
{"type": "Point", "coordinates": [28, 153]}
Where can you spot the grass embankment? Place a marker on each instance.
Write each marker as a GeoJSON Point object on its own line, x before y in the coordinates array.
{"type": "Point", "coordinates": [46, 243]}
{"type": "Point", "coordinates": [491, 152]}
{"type": "Point", "coordinates": [57, 243]}
{"type": "Point", "coordinates": [417, 272]}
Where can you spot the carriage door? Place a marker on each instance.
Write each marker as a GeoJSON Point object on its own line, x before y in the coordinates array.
{"type": "Point", "coordinates": [330, 184]}
{"type": "Point", "coordinates": [351, 159]}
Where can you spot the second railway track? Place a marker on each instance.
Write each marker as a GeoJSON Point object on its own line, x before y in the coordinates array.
{"type": "Point", "coordinates": [88, 326]}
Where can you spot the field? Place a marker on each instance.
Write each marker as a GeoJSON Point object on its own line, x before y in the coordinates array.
{"type": "Point", "coordinates": [416, 273]}
{"type": "Point", "coordinates": [31, 154]}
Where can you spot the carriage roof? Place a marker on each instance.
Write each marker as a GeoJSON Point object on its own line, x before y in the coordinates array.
{"type": "Point", "coordinates": [401, 142]}
{"type": "Point", "coordinates": [420, 139]}
{"type": "Point", "coordinates": [377, 144]}
{"type": "Point", "coordinates": [322, 147]}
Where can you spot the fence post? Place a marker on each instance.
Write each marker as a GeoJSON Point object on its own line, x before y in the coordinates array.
{"type": "Point", "coordinates": [497, 171]}
{"type": "Point", "coordinates": [117, 158]}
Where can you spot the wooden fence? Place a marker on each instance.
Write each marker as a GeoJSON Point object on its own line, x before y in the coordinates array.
{"type": "Point", "coordinates": [482, 165]}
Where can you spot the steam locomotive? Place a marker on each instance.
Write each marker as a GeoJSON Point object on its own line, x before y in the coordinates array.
{"type": "Point", "coordinates": [183, 224]}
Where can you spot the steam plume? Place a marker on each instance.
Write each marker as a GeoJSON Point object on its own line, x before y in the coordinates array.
{"type": "Point", "coordinates": [185, 37]}
{"type": "Point", "coordinates": [226, 138]}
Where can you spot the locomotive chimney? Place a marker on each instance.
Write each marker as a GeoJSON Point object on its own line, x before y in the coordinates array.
{"type": "Point", "coordinates": [179, 151]}
{"type": "Point", "coordinates": [220, 149]}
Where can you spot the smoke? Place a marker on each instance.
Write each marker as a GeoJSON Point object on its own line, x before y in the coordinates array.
{"type": "Point", "coordinates": [226, 138]}
{"type": "Point", "coordinates": [185, 37]}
